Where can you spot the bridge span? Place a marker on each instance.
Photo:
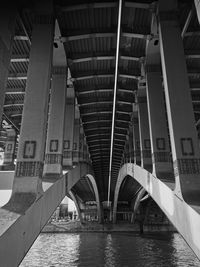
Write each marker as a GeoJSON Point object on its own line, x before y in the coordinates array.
{"type": "Point", "coordinates": [100, 102]}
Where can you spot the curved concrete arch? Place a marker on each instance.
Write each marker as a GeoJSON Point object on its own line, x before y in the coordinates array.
{"type": "Point", "coordinates": [73, 197]}
{"type": "Point", "coordinates": [184, 217]}
{"type": "Point", "coordinates": [140, 195]}
{"type": "Point", "coordinates": [84, 170]}
{"type": "Point", "coordinates": [96, 192]}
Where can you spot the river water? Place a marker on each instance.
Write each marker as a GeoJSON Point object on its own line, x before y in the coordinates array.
{"type": "Point", "coordinates": [110, 250]}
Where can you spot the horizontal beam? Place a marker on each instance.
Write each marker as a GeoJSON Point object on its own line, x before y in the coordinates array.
{"type": "Point", "coordinates": [86, 59]}
{"type": "Point", "coordinates": [105, 75]}
{"type": "Point", "coordinates": [193, 33]}
{"type": "Point", "coordinates": [96, 113]}
{"type": "Point", "coordinates": [80, 35]}
{"type": "Point", "coordinates": [103, 90]}
{"type": "Point", "coordinates": [100, 57]}
{"type": "Point", "coordinates": [88, 35]}
{"type": "Point", "coordinates": [88, 6]}
{"type": "Point", "coordinates": [86, 77]}
{"type": "Point", "coordinates": [137, 5]}
{"type": "Point", "coordinates": [19, 58]}
{"type": "Point", "coordinates": [17, 90]}
{"type": "Point", "coordinates": [16, 115]}
{"type": "Point", "coordinates": [96, 121]}
{"type": "Point", "coordinates": [21, 38]}
{"type": "Point", "coordinates": [135, 35]}
{"type": "Point", "coordinates": [192, 56]}
{"type": "Point", "coordinates": [13, 104]}
{"type": "Point", "coordinates": [104, 103]}
{"type": "Point", "coordinates": [17, 76]}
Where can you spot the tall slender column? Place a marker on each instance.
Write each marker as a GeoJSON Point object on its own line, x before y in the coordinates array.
{"type": "Point", "coordinates": [161, 154]}
{"type": "Point", "coordinates": [75, 153]}
{"type": "Point", "coordinates": [183, 135]}
{"type": "Point", "coordinates": [30, 156]}
{"type": "Point", "coordinates": [81, 142]}
{"type": "Point", "coordinates": [8, 13]}
{"type": "Point", "coordinates": [85, 151]}
{"type": "Point", "coordinates": [136, 137]}
{"type": "Point", "coordinates": [9, 149]}
{"type": "Point", "coordinates": [126, 151]}
{"type": "Point", "coordinates": [131, 148]}
{"type": "Point", "coordinates": [54, 144]}
{"type": "Point", "coordinates": [145, 144]}
{"type": "Point", "coordinates": [69, 127]}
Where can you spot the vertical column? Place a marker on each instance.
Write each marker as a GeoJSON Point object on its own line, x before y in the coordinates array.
{"type": "Point", "coordinates": [9, 150]}
{"type": "Point", "coordinates": [126, 151]}
{"type": "Point", "coordinates": [131, 148]}
{"type": "Point", "coordinates": [161, 154]}
{"type": "Point", "coordinates": [136, 137]}
{"type": "Point", "coordinates": [8, 13]}
{"type": "Point", "coordinates": [69, 127]}
{"type": "Point", "coordinates": [183, 135]}
{"type": "Point", "coordinates": [54, 144]}
{"type": "Point", "coordinates": [81, 144]}
{"type": "Point", "coordinates": [85, 151]}
{"type": "Point", "coordinates": [145, 144]}
{"type": "Point", "coordinates": [75, 152]}
{"type": "Point", "coordinates": [31, 149]}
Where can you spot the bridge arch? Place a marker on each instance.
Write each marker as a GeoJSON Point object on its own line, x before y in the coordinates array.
{"type": "Point", "coordinates": [73, 197]}
{"type": "Point", "coordinates": [185, 217]}
{"type": "Point", "coordinates": [84, 173]}
{"type": "Point", "coordinates": [96, 192]}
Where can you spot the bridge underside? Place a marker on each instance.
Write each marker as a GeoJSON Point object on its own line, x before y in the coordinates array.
{"type": "Point", "coordinates": [100, 101]}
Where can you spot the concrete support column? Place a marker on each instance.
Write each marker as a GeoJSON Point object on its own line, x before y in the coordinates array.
{"type": "Point", "coordinates": [131, 148]}
{"type": "Point", "coordinates": [136, 141]}
{"type": "Point", "coordinates": [54, 144]}
{"type": "Point", "coordinates": [8, 13]}
{"type": "Point", "coordinates": [126, 151]}
{"type": "Point", "coordinates": [183, 135]}
{"type": "Point", "coordinates": [161, 154]}
{"type": "Point", "coordinates": [85, 151]}
{"type": "Point", "coordinates": [75, 152]}
{"type": "Point", "coordinates": [69, 127]}
{"type": "Point", "coordinates": [30, 156]}
{"type": "Point", "coordinates": [9, 150]}
{"type": "Point", "coordinates": [145, 144]}
{"type": "Point", "coordinates": [81, 144]}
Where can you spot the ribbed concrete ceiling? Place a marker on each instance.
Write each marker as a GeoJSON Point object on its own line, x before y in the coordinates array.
{"type": "Point", "coordinates": [89, 34]}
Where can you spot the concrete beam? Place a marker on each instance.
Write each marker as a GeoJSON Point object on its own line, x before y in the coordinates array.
{"type": "Point", "coordinates": [17, 76]}
{"type": "Point", "coordinates": [16, 235]}
{"type": "Point", "coordinates": [19, 58]}
{"type": "Point", "coordinates": [137, 5]}
{"type": "Point", "coordinates": [88, 6]}
{"type": "Point", "coordinates": [17, 90]}
{"type": "Point", "coordinates": [21, 38]}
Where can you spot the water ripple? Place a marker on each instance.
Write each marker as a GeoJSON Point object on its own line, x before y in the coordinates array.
{"type": "Point", "coordinates": [109, 250]}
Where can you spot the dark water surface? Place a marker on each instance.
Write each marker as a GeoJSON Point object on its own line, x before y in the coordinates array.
{"type": "Point", "coordinates": [110, 250]}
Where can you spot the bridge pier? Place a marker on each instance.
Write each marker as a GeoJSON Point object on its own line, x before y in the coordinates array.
{"type": "Point", "coordinates": [31, 200]}
{"type": "Point", "coordinates": [9, 153]}
{"type": "Point", "coordinates": [69, 125]}
{"type": "Point", "coordinates": [183, 135]}
{"type": "Point", "coordinates": [146, 160]}
{"type": "Point", "coordinates": [161, 154]}
{"type": "Point", "coordinates": [136, 140]}
{"type": "Point", "coordinates": [54, 143]}
{"type": "Point", "coordinates": [75, 151]}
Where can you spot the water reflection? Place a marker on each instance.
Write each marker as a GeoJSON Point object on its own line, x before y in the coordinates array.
{"type": "Point", "coordinates": [111, 255]}
{"type": "Point", "coordinates": [109, 250]}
